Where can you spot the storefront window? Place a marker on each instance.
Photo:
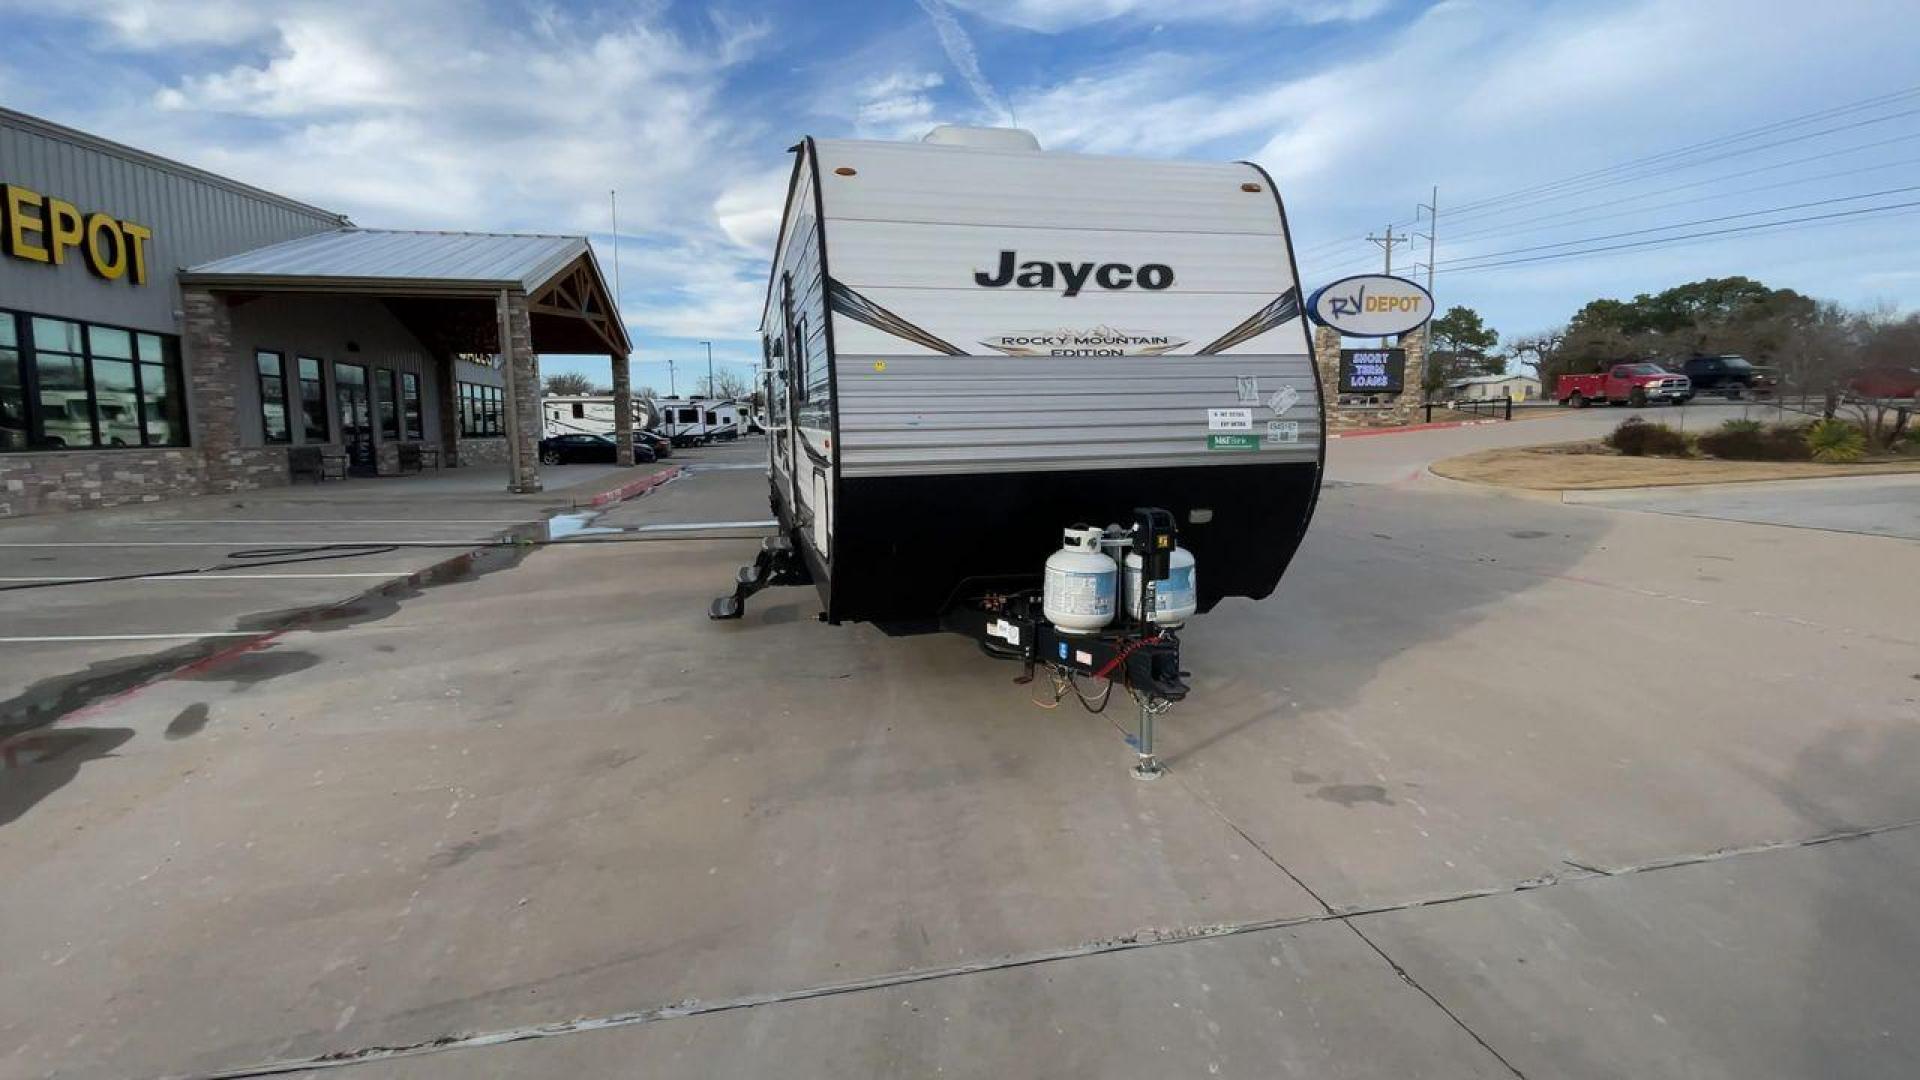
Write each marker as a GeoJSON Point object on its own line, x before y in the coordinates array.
{"type": "Point", "coordinates": [416, 428]}
{"type": "Point", "coordinates": [163, 401]}
{"type": "Point", "coordinates": [480, 411]}
{"type": "Point", "coordinates": [389, 388]}
{"type": "Point", "coordinates": [69, 386]}
{"type": "Point", "coordinates": [13, 389]}
{"type": "Point", "coordinates": [313, 400]}
{"type": "Point", "coordinates": [60, 368]}
{"type": "Point", "coordinates": [272, 368]}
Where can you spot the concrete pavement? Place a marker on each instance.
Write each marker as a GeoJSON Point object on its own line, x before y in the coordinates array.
{"type": "Point", "coordinates": [1873, 505]}
{"type": "Point", "coordinates": [1491, 787]}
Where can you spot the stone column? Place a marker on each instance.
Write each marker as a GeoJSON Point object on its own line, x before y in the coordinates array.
{"type": "Point", "coordinates": [1412, 399]}
{"type": "Point", "coordinates": [522, 369]}
{"type": "Point", "coordinates": [446, 401]}
{"type": "Point", "coordinates": [622, 411]}
{"type": "Point", "coordinates": [1326, 358]}
{"type": "Point", "coordinates": [210, 382]}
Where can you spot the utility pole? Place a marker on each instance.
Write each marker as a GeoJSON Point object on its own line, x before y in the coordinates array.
{"type": "Point", "coordinates": [1433, 230]}
{"type": "Point", "coordinates": [710, 389]}
{"type": "Point", "coordinates": [1387, 243]}
{"type": "Point", "coordinates": [673, 388]}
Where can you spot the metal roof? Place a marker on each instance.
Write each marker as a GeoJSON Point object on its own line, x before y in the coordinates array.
{"type": "Point", "coordinates": [40, 125]}
{"type": "Point", "coordinates": [399, 260]}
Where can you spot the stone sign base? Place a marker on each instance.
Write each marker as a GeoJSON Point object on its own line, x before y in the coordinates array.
{"type": "Point", "coordinates": [1346, 411]}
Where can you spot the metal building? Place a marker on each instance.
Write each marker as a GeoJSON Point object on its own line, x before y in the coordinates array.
{"type": "Point", "coordinates": [166, 331]}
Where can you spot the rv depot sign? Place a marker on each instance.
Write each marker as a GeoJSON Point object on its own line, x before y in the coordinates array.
{"type": "Point", "coordinates": [43, 229]}
{"type": "Point", "coordinates": [1371, 305]}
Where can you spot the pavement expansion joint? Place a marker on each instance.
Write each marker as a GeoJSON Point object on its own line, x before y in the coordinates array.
{"type": "Point", "coordinates": [1140, 939]}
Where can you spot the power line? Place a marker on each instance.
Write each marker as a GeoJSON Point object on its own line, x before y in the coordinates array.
{"type": "Point", "coordinates": [1600, 186]}
{"type": "Point", "coordinates": [1815, 218]}
{"type": "Point", "coordinates": [1517, 227]}
{"type": "Point", "coordinates": [1684, 224]}
{"type": "Point", "coordinates": [1839, 110]}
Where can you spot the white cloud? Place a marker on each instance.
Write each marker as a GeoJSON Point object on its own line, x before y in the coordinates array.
{"type": "Point", "coordinates": [749, 212]}
{"type": "Point", "coordinates": [1053, 16]}
{"type": "Point", "coordinates": [896, 105]}
{"type": "Point", "coordinates": [959, 48]}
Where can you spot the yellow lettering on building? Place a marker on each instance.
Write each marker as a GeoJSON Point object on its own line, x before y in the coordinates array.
{"type": "Point", "coordinates": [63, 229]}
{"type": "Point", "coordinates": [106, 247]}
{"type": "Point", "coordinates": [40, 229]}
{"type": "Point", "coordinates": [137, 237]}
{"type": "Point", "coordinates": [23, 216]}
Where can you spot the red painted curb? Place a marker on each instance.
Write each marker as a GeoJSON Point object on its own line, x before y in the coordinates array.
{"type": "Point", "coordinates": [634, 487]}
{"type": "Point", "coordinates": [1410, 427]}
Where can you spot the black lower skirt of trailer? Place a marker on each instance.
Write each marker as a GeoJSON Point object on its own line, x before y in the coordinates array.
{"type": "Point", "coordinates": [909, 549]}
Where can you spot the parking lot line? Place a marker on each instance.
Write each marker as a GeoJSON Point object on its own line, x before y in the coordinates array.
{"type": "Point", "coordinates": [277, 542]}
{"type": "Point", "coordinates": [55, 638]}
{"type": "Point", "coordinates": [208, 577]}
{"type": "Point", "coordinates": [336, 521]}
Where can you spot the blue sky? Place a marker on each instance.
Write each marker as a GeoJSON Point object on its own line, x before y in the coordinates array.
{"type": "Point", "coordinates": [522, 116]}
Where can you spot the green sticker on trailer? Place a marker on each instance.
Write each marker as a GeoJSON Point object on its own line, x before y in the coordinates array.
{"type": "Point", "coordinates": [1233, 442]}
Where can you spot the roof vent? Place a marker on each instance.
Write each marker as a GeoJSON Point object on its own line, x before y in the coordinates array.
{"type": "Point", "coordinates": [982, 138]}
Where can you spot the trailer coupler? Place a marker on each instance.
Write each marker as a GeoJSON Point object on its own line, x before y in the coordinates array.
{"type": "Point", "coordinates": [777, 564]}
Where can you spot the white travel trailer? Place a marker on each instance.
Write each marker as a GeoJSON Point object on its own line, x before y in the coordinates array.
{"type": "Point", "coordinates": [590, 415]}
{"type": "Point", "coordinates": [972, 343]}
{"type": "Point", "coordinates": [699, 420]}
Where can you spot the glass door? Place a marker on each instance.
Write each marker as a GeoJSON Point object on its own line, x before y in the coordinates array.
{"type": "Point", "coordinates": [351, 402]}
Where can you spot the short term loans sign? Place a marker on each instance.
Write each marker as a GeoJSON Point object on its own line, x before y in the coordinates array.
{"type": "Point", "coordinates": [1372, 371]}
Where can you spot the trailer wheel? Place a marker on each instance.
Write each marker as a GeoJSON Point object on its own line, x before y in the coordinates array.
{"type": "Point", "coordinates": [1637, 398]}
{"type": "Point", "coordinates": [1577, 400]}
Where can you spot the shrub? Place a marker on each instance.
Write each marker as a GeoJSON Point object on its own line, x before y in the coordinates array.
{"type": "Point", "coordinates": [1749, 440]}
{"type": "Point", "coordinates": [1637, 438]}
{"type": "Point", "coordinates": [1836, 441]}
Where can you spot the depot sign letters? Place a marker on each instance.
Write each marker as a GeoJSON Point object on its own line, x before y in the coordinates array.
{"type": "Point", "coordinates": [42, 229]}
{"type": "Point", "coordinates": [1371, 305]}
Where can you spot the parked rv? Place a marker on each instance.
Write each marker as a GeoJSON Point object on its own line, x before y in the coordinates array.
{"type": "Point", "coordinates": [1019, 349]}
{"type": "Point", "coordinates": [699, 421]}
{"type": "Point", "coordinates": [590, 414]}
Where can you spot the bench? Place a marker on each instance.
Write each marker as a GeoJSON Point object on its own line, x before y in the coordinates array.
{"type": "Point", "coordinates": [415, 456]}
{"type": "Point", "coordinates": [316, 462]}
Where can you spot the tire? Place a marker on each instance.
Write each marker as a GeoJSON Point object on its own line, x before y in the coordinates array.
{"type": "Point", "coordinates": [1733, 393]}
{"type": "Point", "coordinates": [1577, 400]}
{"type": "Point", "coordinates": [1637, 398]}
{"type": "Point", "coordinates": [549, 457]}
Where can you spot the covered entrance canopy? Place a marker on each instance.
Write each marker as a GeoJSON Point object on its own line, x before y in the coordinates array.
{"type": "Point", "coordinates": [456, 293]}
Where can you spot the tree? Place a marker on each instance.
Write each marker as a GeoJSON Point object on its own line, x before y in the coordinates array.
{"type": "Point", "coordinates": [645, 393]}
{"type": "Point", "coordinates": [568, 384]}
{"type": "Point", "coordinates": [1460, 347]}
{"type": "Point", "coordinates": [725, 384]}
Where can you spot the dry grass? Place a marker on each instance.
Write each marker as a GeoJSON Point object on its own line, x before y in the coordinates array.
{"type": "Point", "coordinates": [1587, 466]}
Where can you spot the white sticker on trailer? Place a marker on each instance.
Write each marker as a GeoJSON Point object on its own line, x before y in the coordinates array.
{"type": "Point", "coordinates": [1229, 419]}
{"type": "Point", "coordinates": [1004, 630]}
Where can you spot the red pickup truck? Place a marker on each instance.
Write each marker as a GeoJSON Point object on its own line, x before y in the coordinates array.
{"type": "Point", "coordinates": [1624, 384]}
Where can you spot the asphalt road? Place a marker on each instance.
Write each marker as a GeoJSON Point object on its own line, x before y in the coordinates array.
{"type": "Point", "coordinates": [1492, 786]}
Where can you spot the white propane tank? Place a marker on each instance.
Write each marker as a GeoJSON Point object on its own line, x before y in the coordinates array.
{"type": "Point", "coordinates": [1175, 597]}
{"type": "Point", "coordinates": [1081, 584]}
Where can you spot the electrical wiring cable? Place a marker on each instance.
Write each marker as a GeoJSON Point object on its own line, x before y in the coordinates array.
{"type": "Point", "coordinates": [1523, 226]}
{"type": "Point", "coordinates": [1809, 221]}
{"type": "Point", "coordinates": [1442, 264]}
{"type": "Point", "coordinates": [1709, 144]}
